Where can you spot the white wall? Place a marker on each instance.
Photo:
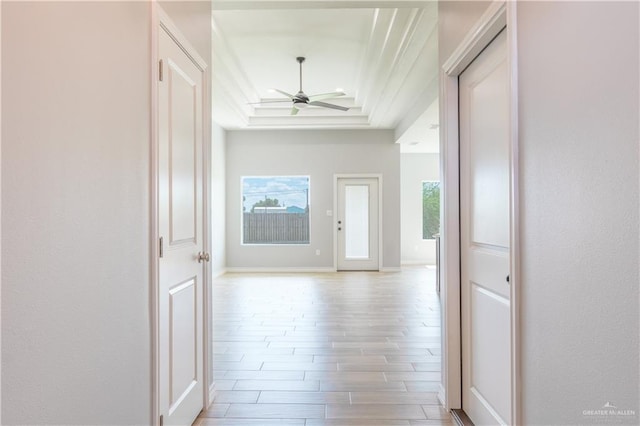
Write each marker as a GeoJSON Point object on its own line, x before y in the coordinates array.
{"type": "Point", "coordinates": [579, 92]}
{"type": "Point", "coordinates": [75, 209]}
{"type": "Point", "coordinates": [218, 200]}
{"type": "Point", "coordinates": [319, 154]}
{"type": "Point", "coordinates": [75, 220]}
{"type": "Point", "coordinates": [414, 169]}
{"type": "Point", "coordinates": [218, 217]}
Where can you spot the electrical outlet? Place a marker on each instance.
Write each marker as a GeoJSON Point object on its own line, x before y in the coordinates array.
{"type": "Point", "coordinates": [318, 252]}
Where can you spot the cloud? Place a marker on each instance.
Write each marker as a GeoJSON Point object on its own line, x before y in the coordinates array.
{"type": "Point", "coordinates": [289, 190]}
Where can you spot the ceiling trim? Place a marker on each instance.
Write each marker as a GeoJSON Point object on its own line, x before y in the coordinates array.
{"type": "Point", "coordinates": [314, 4]}
{"type": "Point", "coordinates": [231, 67]}
{"type": "Point", "coordinates": [241, 118]}
{"type": "Point", "coordinates": [408, 73]}
{"type": "Point", "coordinates": [394, 69]}
{"type": "Point", "coordinates": [378, 42]}
{"type": "Point", "coordinates": [391, 73]}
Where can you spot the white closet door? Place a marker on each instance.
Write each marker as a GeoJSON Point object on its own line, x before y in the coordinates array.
{"type": "Point", "coordinates": [485, 218]}
{"type": "Point", "coordinates": [180, 196]}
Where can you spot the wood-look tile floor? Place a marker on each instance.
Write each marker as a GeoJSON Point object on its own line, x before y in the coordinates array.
{"type": "Point", "coordinates": [348, 348]}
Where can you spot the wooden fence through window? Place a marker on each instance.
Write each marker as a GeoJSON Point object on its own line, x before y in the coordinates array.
{"type": "Point", "coordinates": [275, 228]}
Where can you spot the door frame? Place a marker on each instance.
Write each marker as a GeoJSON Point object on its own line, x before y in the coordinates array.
{"type": "Point", "coordinates": [499, 14]}
{"type": "Point", "coordinates": [160, 21]}
{"type": "Point", "coordinates": [377, 176]}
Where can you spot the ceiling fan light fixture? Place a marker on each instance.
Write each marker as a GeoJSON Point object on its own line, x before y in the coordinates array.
{"type": "Point", "coordinates": [301, 100]}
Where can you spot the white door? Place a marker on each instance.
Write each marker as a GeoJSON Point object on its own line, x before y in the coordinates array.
{"type": "Point", "coordinates": [180, 198]}
{"type": "Point", "coordinates": [485, 236]}
{"type": "Point", "coordinates": [357, 224]}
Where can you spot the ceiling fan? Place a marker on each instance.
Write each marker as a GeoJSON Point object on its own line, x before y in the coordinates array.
{"type": "Point", "coordinates": [301, 100]}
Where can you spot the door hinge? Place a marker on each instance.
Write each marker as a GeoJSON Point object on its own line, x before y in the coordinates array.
{"type": "Point", "coordinates": [161, 250]}
{"type": "Point", "coordinates": [161, 420]}
{"type": "Point", "coordinates": [160, 69]}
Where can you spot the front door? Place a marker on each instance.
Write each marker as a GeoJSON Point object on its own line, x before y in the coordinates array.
{"type": "Point", "coordinates": [485, 236]}
{"type": "Point", "coordinates": [357, 224]}
{"type": "Point", "coordinates": [180, 222]}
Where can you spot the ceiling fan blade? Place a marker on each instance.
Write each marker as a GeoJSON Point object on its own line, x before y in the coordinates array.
{"type": "Point", "coordinates": [294, 111]}
{"type": "Point", "coordinates": [326, 105]}
{"type": "Point", "coordinates": [288, 95]}
{"type": "Point", "coordinates": [322, 96]}
{"type": "Point", "coordinates": [269, 102]}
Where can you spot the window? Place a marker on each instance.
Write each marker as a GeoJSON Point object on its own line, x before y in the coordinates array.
{"type": "Point", "coordinates": [430, 209]}
{"type": "Point", "coordinates": [275, 210]}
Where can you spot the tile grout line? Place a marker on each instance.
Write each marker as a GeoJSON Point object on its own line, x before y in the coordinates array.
{"type": "Point", "coordinates": [382, 352]}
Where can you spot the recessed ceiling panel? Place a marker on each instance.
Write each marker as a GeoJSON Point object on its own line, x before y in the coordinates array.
{"type": "Point", "coordinates": [267, 42]}
{"type": "Point", "coordinates": [368, 53]}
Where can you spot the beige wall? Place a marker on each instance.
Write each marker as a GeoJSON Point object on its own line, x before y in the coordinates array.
{"type": "Point", "coordinates": [579, 94]}
{"type": "Point", "coordinates": [75, 211]}
{"type": "Point", "coordinates": [578, 120]}
{"type": "Point", "coordinates": [455, 19]}
{"type": "Point", "coordinates": [193, 18]}
{"type": "Point", "coordinates": [75, 219]}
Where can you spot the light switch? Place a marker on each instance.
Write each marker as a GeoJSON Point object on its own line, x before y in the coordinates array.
{"type": "Point", "coordinates": [329, 213]}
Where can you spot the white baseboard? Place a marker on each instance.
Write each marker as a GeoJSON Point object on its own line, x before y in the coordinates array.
{"type": "Point", "coordinates": [218, 272]}
{"type": "Point", "coordinates": [281, 270]}
{"type": "Point", "coordinates": [416, 262]}
{"type": "Point", "coordinates": [212, 393]}
{"type": "Point", "coordinates": [294, 269]}
{"type": "Point", "coordinates": [441, 396]}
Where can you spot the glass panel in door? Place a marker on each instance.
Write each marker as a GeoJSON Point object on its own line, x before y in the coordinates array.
{"type": "Point", "coordinates": [356, 221]}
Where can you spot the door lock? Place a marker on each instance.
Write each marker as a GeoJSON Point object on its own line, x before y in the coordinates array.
{"type": "Point", "coordinates": [203, 256]}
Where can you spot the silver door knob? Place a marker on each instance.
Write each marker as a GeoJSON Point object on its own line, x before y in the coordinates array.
{"type": "Point", "coordinates": [203, 256]}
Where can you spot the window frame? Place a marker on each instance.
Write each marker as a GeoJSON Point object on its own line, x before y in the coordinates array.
{"type": "Point", "coordinates": [422, 206]}
{"type": "Point", "coordinates": [242, 178]}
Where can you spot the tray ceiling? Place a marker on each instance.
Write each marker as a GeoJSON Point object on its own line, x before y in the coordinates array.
{"type": "Point", "coordinates": [384, 58]}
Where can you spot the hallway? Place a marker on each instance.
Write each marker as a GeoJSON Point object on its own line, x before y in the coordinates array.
{"type": "Point", "coordinates": [350, 348]}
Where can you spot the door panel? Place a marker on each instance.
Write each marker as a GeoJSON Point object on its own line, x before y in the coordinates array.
{"type": "Point", "coordinates": [182, 154]}
{"type": "Point", "coordinates": [485, 216]}
{"type": "Point", "coordinates": [180, 224]}
{"type": "Point", "coordinates": [357, 223]}
{"type": "Point", "coordinates": [183, 303]}
{"type": "Point", "coordinates": [490, 384]}
{"type": "Point", "coordinates": [490, 159]}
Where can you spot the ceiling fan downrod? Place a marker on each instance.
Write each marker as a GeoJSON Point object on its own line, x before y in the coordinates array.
{"type": "Point", "coordinates": [300, 60]}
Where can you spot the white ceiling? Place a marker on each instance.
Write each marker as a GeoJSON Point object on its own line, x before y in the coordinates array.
{"type": "Point", "coordinates": [383, 54]}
